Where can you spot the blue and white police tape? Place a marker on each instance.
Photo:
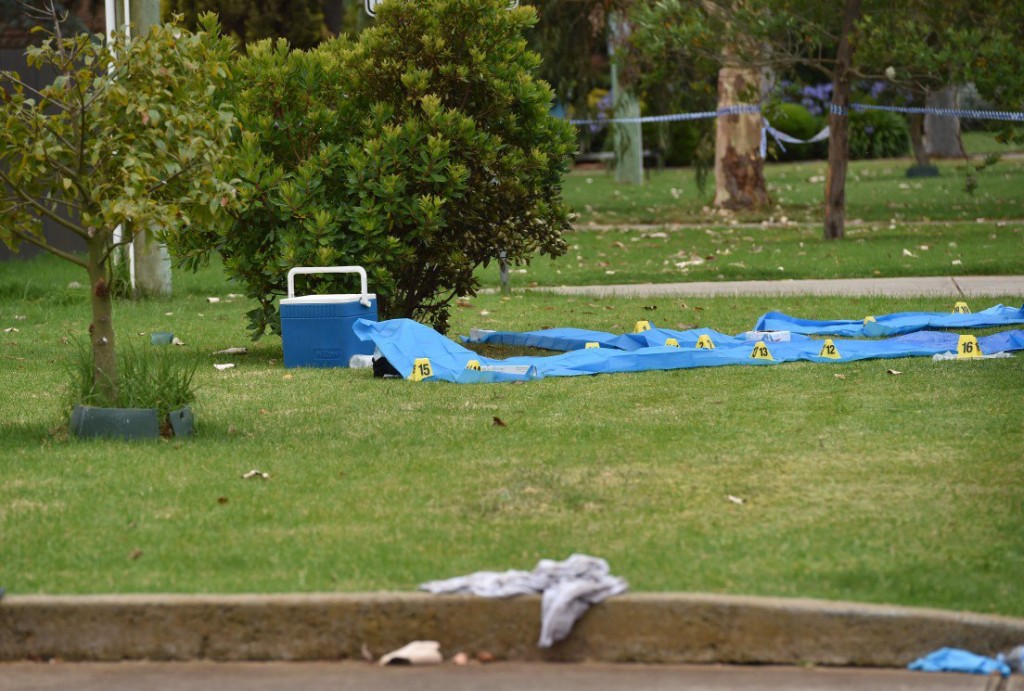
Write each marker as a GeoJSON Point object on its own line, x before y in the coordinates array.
{"type": "Point", "coordinates": [675, 117]}
{"type": "Point", "coordinates": [946, 112]}
{"type": "Point", "coordinates": [742, 109]}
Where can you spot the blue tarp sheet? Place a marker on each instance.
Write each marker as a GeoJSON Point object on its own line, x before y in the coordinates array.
{"type": "Point", "coordinates": [403, 341]}
{"type": "Point", "coordinates": [892, 324]}
{"type": "Point", "coordinates": [564, 339]}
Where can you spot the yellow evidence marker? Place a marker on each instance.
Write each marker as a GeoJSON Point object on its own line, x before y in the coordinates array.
{"type": "Point", "coordinates": [869, 318]}
{"type": "Point", "coordinates": [967, 347]}
{"type": "Point", "coordinates": [642, 326]}
{"type": "Point", "coordinates": [829, 350]}
{"type": "Point", "coordinates": [473, 365]}
{"type": "Point", "coordinates": [672, 342]}
{"type": "Point", "coordinates": [593, 344]}
{"type": "Point", "coordinates": [760, 352]}
{"type": "Point", "coordinates": [705, 342]}
{"type": "Point", "coordinates": [961, 308]}
{"type": "Point", "coordinates": [421, 369]}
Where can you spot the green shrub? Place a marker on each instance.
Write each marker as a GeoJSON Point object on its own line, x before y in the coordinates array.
{"type": "Point", "coordinates": [420, 151]}
{"type": "Point", "coordinates": [878, 134]}
{"type": "Point", "coordinates": [796, 121]}
{"type": "Point", "coordinates": [301, 22]}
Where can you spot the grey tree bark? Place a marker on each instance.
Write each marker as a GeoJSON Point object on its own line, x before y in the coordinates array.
{"type": "Point", "coordinates": [942, 133]}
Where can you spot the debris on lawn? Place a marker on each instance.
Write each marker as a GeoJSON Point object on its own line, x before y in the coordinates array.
{"type": "Point", "coordinates": [177, 341]}
{"type": "Point", "coordinates": [840, 376]}
{"type": "Point", "coordinates": [224, 366]}
{"type": "Point", "coordinates": [212, 300]}
{"type": "Point", "coordinates": [893, 371]}
{"type": "Point", "coordinates": [415, 653]}
{"type": "Point", "coordinates": [256, 474]}
{"type": "Point", "coordinates": [232, 351]}
{"type": "Point", "coordinates": [498, 422]}
{"type": "Point", "coordinates": [949, 355]}
{"type": "Point", "coordinates": [736, 500]}
{"type": "Point", "coordinates": [11, 330]}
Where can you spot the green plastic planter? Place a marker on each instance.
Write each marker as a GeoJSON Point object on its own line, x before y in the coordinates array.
{"type": "Point", "coordinates": [127, 423]}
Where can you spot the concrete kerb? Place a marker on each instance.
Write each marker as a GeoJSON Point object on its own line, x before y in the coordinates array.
{"type": "Point", "coordinates": [646, 627]}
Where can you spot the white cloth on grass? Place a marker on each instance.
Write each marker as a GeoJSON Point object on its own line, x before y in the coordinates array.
{"type": "Point", "coordinates": [568, 589]}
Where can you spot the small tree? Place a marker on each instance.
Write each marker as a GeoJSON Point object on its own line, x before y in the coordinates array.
{"type": "Point", "coordinates": [126, 131]}
{"type": "Point", "coordinates": [421, 151]}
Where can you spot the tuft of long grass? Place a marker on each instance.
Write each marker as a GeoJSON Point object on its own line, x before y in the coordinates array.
{"type": "Point", "coordinates": [147, 378]}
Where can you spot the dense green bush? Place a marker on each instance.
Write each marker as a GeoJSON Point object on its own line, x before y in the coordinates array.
{"type": "Point", "coordinates": [878, 134]}
{"type": "Point", "coordinates": [420, 151]}
{"type": "Point", "coordinates": [798, 122]}
{"type": "Point", "coordinates": [301, 22]}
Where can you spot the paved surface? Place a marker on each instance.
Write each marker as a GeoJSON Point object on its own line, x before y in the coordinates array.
{"type": "Point", "coordinates": [937, 286]}
{"type": "Point", "coordinates": [499, 676]}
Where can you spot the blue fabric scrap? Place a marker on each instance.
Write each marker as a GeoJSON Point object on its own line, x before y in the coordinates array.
{"type": "Point", "coordinates": [956, 660]}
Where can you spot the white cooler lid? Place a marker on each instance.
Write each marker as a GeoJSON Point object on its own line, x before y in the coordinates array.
{"type": "Point", "coordinates": [326, 299]}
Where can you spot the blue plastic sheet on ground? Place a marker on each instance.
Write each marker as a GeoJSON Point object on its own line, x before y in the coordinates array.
{"type": "Point", "coordinates": [403, 341]}
{"type": "Point", "coordinates": [892, 324]}
{"type": "Point", "coordinates": [956, 660]}
{"type": "Point", "coordinates": [565, 339]}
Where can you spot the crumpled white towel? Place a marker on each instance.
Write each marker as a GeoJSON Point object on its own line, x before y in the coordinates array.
{"type": "Point", "coordinates": [569, 588]}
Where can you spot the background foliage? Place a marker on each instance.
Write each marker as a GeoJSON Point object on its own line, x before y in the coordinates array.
{"type": "Point", "coordinates": [421, 151]}
{"type": "Point", "coordinates": [301, 22]}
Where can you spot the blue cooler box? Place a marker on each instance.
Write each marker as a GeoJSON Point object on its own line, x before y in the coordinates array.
{"type": "Point", "coordinates": [316, 330]}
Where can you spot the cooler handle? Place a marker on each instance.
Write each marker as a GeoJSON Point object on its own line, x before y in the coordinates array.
{"type": "Point", "coordinates": [364, 298]}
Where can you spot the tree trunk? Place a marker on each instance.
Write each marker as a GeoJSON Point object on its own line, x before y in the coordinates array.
{"type": "Point", "coordinates": [101, 331]}
{"type": "Point", "coordinates": [739, 169]}
{"type": "Point", "coordinates": [839, 128]}
{"type": "Point", "coordinates": [627, 137]}
{"type": "Point", "coordinates": [152, 262]}
{"type": "Point", "coordinates": [916, 121]}
{"type": "Point", "coordinates": [941, 132]}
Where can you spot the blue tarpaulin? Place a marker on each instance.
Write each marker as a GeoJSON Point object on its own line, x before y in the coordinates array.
{"type": "Point", "coordinates": [563, 339]}
{"type": "Point", "coordinates": [892, 324]}
{"type": "Point", "coordinates": [956, 660]}
{"type": "Point", "coordinates": [403, 341]}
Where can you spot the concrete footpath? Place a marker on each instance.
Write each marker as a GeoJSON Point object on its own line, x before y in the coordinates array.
{"type": "Point", "coordinates": [644, 627]}
{"type": "Point", "coordinates": [499, 676]}
{"type": "Point", "coordinates": [959, 287]}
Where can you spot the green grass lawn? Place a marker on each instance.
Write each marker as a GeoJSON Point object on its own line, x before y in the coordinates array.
{"type": "Point", "coordinates": [776, 251]}
{"type": "Point", "coordinates": [901, 489]}
{"type": "Point", "coordinates": [877, 192]}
